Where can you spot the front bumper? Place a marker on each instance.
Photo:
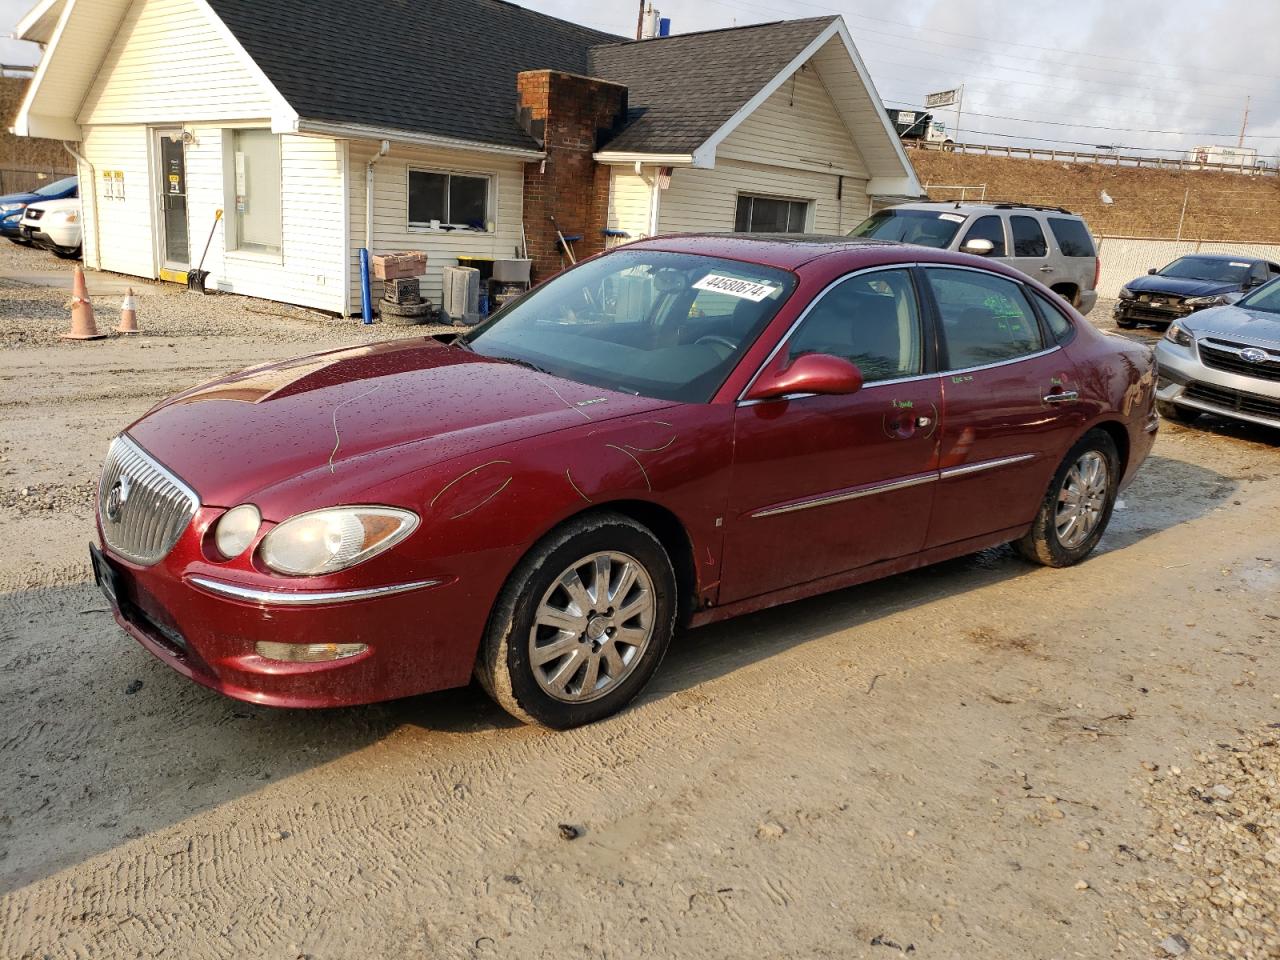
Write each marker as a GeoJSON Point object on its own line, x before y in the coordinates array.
{"type": "Point", "coordinates": [1185, 380]}
{"type": "Point", "coordinates": [205, 624]}
{"type": "Point", "coordinates": [1151, 311]}
{"type": "Point", "coordinates": [50, 235]}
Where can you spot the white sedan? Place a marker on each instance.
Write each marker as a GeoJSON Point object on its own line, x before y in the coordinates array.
{"type": "Point", "coordinates": [54, 225]}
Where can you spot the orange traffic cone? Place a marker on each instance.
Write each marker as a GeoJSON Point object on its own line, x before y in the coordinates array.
{"type": "Point", "coordinates": [83, 326]}
{"type": "Point", "coordinates": [128, 315]}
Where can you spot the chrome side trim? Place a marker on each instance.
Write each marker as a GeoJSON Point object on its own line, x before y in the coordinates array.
{"type": "Point", "coordinates": [301, 598]}
{"type": "Point", "coordinates": [981, 465]}
{"type": "Point", "coordinates": [840, 496]}
{"type": "Point", "coordinates": [1002, 363]}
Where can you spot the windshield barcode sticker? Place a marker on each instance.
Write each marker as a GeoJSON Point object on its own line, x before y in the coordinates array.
{"type": "Point", "coordinates": [745, 289]}
{"type": "Point", "coordinates": [951, 217]}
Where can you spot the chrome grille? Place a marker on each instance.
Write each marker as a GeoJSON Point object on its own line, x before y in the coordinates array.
{"type": "Point", "coordinates": [142, 506]}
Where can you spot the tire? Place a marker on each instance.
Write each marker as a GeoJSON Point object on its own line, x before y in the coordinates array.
{"type": "Point", "coordinates": [505, 666]}
{"type": "Point", "coordinates": [1045, 543]}
{"type": "Point", "coordinates": [1171, 411]}
{"type": "Point", "coordinates": [1127, 324]}
{"type": "Point", "coordinates": [63, 253]}
{"type": "Point", "coordinates": [20, 241]}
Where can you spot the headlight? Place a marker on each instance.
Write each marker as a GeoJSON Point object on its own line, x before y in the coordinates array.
{"type": "Point", "coordinates": [236, 530]}
{"type": "Point", "coordinates": [65, 216]}
{"type": "Point", "coordinates": [325, 541]}
{"type": "Point", "coordinates": [12, 207]}
{"type": "Point", "coordinates": [1127, 294]}
{"type": "Point", "coordinates": [1213, 301]}
{"type": "Point", "coordinates": [1178, 334]}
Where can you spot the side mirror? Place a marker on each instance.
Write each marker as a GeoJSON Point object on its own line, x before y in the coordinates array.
{"type": "Point", "coordinates": [1254, 282]}
{"type": "Point", "coordinates": [1152, 272]}
{"type": "Point", "coordinates": [812, 373]}
{"type": "Point", "coordinates": [978, 247]}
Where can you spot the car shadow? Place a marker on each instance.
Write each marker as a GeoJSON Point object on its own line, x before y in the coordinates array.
{"type": "Point", "coordinates": [101, 743]}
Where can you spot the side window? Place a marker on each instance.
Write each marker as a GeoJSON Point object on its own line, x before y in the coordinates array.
{"type": "Point", "coordinates": [988, 228]}
{"type": "Point", "coordinates": [985, 318]}
{"type": "Point", "coordinates": [1028, 237]}
{"type": "Point", "coordinates": [1259, 273]}
{"type": "Point", "coordinates": [1073, 237]}
{"type": "Point", "coordinates": [1061, 328]}
{"type": "Point", "coordinates": [871, 320]}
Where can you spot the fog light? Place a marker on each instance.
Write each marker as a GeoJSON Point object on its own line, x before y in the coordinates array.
{"type": "Point", "coordinates": [309, 652]}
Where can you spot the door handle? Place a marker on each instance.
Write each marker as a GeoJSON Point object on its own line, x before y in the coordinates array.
{"type": "Point", "coordinates": [1046, 269]}
{"type": "Point", "coordinates": [1065, 396]}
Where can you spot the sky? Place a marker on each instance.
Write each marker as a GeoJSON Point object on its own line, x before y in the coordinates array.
{"type": "Point", "coordinates": [1156, 76]}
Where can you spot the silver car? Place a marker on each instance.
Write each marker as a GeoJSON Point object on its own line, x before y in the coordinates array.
{"type": "Point", "coordinates": [1048, 244]}
{"type": "Point", "coordinates": [1225, 360]}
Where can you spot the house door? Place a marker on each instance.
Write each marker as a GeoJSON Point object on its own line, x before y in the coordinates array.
{"type": "Point", "coordinates": [175, 243]}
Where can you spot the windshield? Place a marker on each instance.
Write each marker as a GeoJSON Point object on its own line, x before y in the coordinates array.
{"type": "Point", "coordinates": [665, 325]}
{"type": "Point", "coordinates": [929, 228]}
{"type": "Point", "coordinates": [55, 188]}
{"type": "Point", "coordinates": [1266, 298]}
{"type": "Point", "coordinates": [1207, 268]}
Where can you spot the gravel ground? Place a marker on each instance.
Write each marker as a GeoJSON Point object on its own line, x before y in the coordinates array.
{"type": "Point", "coordinates": [978, 759]}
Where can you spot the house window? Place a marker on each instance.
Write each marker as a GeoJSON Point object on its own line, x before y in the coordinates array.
{"type": "Point", "coordinates": [448, 198]}
{"type": "Point", "coordinates": [771, 215]}
{"type": "Point", "coordinates": [255, 171]}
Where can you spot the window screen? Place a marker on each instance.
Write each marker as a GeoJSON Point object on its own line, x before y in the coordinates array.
{"type": "Point", "coordinates": [256, 169]}
{"type": "Point", "coordinates": [1072, 236]}
{"type": "Point", "coordinates": [448, 198]}
{"type": "Point", "coordinates": [770, 215]}
{"type": "Point", "coordinates": [870, 320]}
{"type": "Point", "coordinates": [985, 318]}
{"type": "Point", "coordinates": [988, 228]}
{"type": "Point", "coordinates": [1028, 237]}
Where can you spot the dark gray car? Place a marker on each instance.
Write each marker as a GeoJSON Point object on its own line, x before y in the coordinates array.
{"type": "Point", "coordinates": [1049, 244]}
{"type": "Point", "coordinates": [1224, 360]}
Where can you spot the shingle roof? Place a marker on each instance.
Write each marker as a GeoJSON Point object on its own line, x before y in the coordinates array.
{"type": "Point", "coordinates": [682, 89]}
{"type": "Point", "coordinates": [448, 67]}
{"type": "Point", "coordinates": [443, 67]}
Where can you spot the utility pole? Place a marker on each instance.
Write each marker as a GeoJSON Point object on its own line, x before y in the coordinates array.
{"type": "Point", "coordinates": [1245, 125]}
{"type": "Point", "coordinates": [640, 22]}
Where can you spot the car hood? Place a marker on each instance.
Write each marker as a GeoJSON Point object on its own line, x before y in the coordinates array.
{"type": "Point", "coordinates": [1236, 323]}
{"type": "Point", "coordinates": [417, 400]}
{"type": "Point", "coordinates": [1181, 287]}
{"type": "Point", "coordinates": [67, 203]}
{"type": "Point", "coordinates": [19, 198]}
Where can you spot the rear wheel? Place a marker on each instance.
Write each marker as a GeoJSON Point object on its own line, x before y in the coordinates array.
{"type": "Point", "coordinates": [1077, 507]}
{"type": "Point", "coordinates": [1171, 411]}
{"type": "Point", "coordinates": [582, 623]}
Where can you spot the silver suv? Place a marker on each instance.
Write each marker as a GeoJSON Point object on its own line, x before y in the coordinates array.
{"type": "Point", "coordinates": [1049, 244]}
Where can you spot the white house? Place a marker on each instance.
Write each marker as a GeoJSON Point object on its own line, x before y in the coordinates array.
{"type": "Point", "coordinates": [458, 127]}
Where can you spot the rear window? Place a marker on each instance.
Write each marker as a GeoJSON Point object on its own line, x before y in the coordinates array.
{"type": "Point", "coordinates": [1073, 237]}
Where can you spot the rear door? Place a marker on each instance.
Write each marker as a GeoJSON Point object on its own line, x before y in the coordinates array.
{"type": "Point", "coordinates": [1010, 407]}
{"type": "Point", "coordinates": [1030, 248]}
{"type": "Point", "coordinates": [825, 484]}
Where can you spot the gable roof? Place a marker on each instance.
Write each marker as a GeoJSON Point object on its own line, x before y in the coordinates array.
{"type": "Point", "coordinates": [682, 89]}
{"type": "Point", "coordinates": [446, 68]}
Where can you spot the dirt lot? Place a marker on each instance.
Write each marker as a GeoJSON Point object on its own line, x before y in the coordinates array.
{"type": "Point", "coordinates": [981, 759]}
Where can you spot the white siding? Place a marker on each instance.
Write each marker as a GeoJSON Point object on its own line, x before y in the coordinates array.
{"type": "Point", "coordinates": [630, 201]}
{"type": "Point", "coordinates": [169, 64]}
{"type": "Point", "coordinates": [707, 200]}
{"type": "Point", "coordinates": [392, 232]}
{"type": "Point", "coordinates": [308, 269]}
{"type": "Point", "coordinates": [125, 231]}
{"type": "Point", "coordinates": [798, 128]}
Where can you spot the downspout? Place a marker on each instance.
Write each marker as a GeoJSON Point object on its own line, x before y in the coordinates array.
{"type": "Point", "coordinates": [93, 185]}
{"type": "Point", "coordinates": [366, 292]}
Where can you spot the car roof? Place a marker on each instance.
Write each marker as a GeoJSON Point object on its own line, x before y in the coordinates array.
{"type": "Point", "coordinates": [1237, 257]}
{"type": "Point", "coordinates": [982, 206]}
{"type": "Point", "coordinates": [784, 250]}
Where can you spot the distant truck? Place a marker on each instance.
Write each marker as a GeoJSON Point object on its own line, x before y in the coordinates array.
{"type": "Point", "coordinates": [1244, 157]}
{"type": "Point", "coordinates": [918, 125]}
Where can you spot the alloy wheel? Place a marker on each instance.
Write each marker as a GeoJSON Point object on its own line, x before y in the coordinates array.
{"type": "Point", "coordinates": [592, 627]}
{"type": "Point", "coordinates": [1082, 499]}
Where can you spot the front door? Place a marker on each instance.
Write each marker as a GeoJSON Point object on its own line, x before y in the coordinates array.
{"type": "Point", "coordinates": [1010, 398]}
{"type": "Point", "coordinates": [175, 242]}
{"type": "Point", "coordinates": [826, 484]}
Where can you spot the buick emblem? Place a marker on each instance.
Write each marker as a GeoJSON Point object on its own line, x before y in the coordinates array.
{"type": "Point", "coordinates": [1253, 355]}
{"type": "Point", "coordinates": [117, 497]}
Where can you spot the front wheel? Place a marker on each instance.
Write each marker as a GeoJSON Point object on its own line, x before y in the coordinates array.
{"type": "Point", "coordinates": [1171, 411]}
{"type": "Point", "coordinates": [1077, 507]}
{"type": "Point", "coordinates": [582, 623]}
{"type": "Point", "coordinates": [67, 253]}
{"type": "Point", "coordinates": [1127, 324]}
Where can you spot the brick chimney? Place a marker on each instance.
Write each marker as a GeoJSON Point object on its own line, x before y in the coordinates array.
{"type": "Point", "coordinates": [570, 116]}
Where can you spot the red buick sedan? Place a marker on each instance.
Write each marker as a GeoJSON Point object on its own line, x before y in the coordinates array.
{"type": "Point", "coordinates": [676, 432]}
